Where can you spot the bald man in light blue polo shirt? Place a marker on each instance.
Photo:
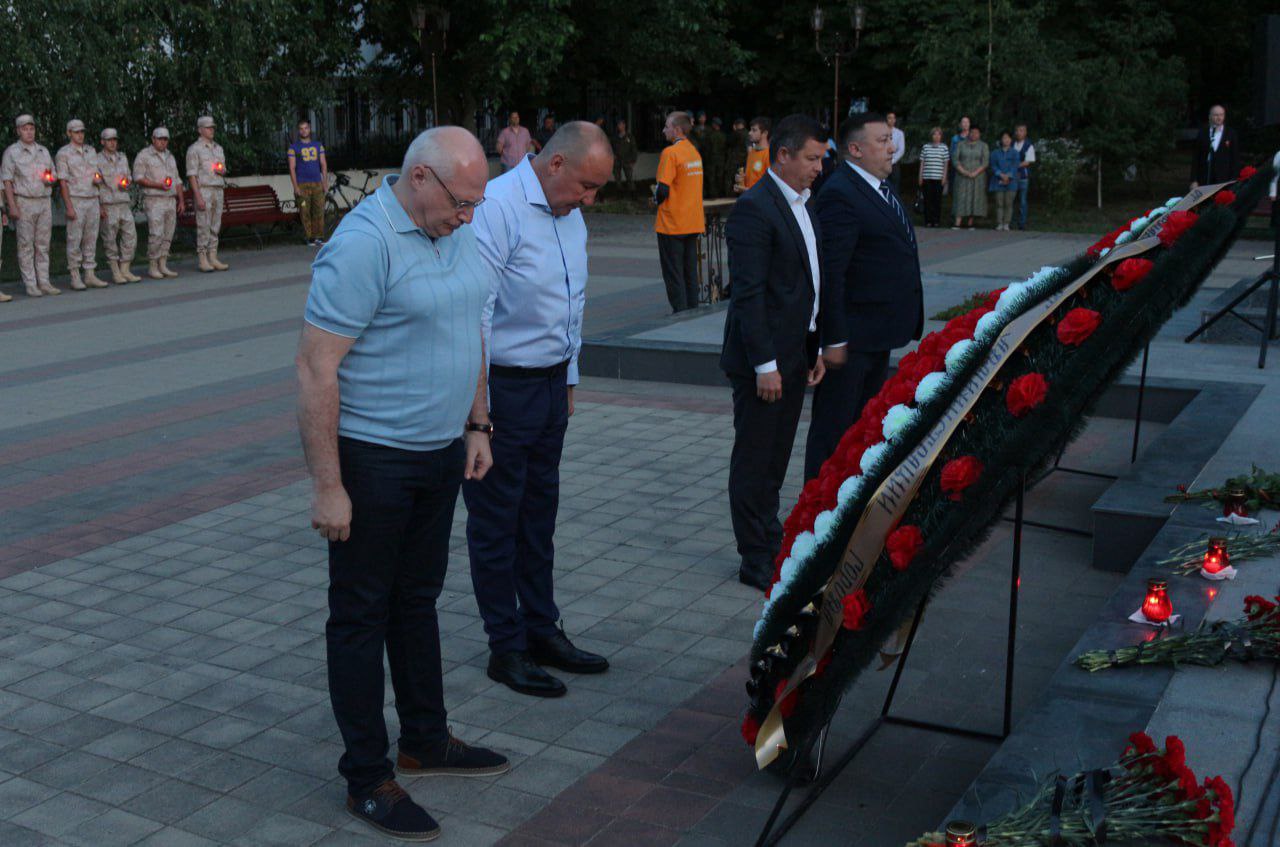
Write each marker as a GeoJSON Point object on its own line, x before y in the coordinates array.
{"type": "Point", "coordinates": [390, 373]}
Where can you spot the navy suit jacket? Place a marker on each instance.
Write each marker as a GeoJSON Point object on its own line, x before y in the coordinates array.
{"type": "Point", "coordinates": [771, 297]}
{"type": "Point", "coordinates": [870, 267]}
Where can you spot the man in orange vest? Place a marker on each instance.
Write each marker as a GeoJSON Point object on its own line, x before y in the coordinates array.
{"type": "Point", "coordinates": [758, 153]}
{"type": "Point", "coordinates": [680, 218]}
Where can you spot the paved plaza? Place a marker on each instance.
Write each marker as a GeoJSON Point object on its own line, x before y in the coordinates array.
{"type": "Point", "coordinates": [163, 599]}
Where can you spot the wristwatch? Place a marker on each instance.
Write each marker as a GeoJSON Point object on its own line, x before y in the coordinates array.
{"type": "Point", "coordinates": [486, 428]}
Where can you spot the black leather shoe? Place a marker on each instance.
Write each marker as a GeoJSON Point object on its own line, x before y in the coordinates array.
{"type": "Point", "coordinates": [452, 758]}
{"type": "Point", "coordinates": [558, 651]}
{"type": "Point", "coordinates": [390, 810]}
{"type": "Point", "coordinates": [517, 671]}
{"type": "Point", "coordinates": [756, 577]}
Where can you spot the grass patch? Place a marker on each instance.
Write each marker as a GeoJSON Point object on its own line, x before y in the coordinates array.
{"type": "Point", "coordinates": [970, 303]}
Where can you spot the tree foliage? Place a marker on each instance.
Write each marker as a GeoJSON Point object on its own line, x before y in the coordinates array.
{"type": "Point", "coordinates": [134, 64]}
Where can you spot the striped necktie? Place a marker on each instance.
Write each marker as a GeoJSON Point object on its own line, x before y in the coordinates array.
{"type": "Point", "coordinates": [892, 200]}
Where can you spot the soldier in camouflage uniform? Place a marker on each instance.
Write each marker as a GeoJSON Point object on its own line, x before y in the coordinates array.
{"type": "Point", "coordinates": [119, 235]}
{"type": "Point", "coordinates": [4, 222]}
{"type": "Point", "coordinates": [27, 171]}
{"type": "Point", "coordinates": [157, 172]}
{"type": "Point", "coordinates": [735, 154]}
{"type": "Point", "coordinates": [207, 170]}
{"type": "Point", "coordinates": [78, 180]}
{"type": "Point", "coordinates": [713, 159]}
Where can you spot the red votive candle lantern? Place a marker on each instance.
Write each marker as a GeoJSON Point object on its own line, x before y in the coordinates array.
{"type": "Point", "coordinates": [124, 183]}
{"type": "Point", "coordinates": [1216, 557]}
{"type": "Point", "coordinates": [961, 834]}
{"type": "Point", "coordinates": [219, 168]}
{"type": "Point", "coordinates": [168, 182]}
{"type": "Point", "coordinates": [1157, 607]}
{"type": "Point", "coordinates": [1234, 503]}
{"type": "Point", "coordinates": [47, 176]}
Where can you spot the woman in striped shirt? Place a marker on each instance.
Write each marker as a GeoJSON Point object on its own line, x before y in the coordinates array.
{"type": "Point", "coordinates": [934, 160]}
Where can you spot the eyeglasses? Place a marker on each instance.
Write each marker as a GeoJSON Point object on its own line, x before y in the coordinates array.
{"type": "Point", "coordinates": [458, 205]}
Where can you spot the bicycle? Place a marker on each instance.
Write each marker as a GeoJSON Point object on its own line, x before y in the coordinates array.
{"type": "Point", "coordinates": [342, 197]}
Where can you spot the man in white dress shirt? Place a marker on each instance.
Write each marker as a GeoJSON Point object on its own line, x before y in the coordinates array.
{"type": "Point", "coordinates": [899, 148]}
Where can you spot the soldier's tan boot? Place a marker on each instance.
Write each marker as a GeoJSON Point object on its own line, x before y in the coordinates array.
{"type": "Point", "coordinates": [76, 283]}
{"type": "Point", "coordinates": [203, 262]}
{"type": "Point", "coordinates": [5, 298]}
{"type": "Point", "coordinates": [165, 269]}
{"type": "Point", "coordinates": [33, 291]}
{"type": "Point", "coordinates": [214, 263]}
{"type": "Point", "coordinates": [153, 270]}
{"type": "Point", "coordinates": [91, 279]}
{"type": "Point", "coordinates": [116, 276]}
{"type": "Point", "coordinates": [128, 274]}
{"type": "Point", "coordinates": [47, 288]}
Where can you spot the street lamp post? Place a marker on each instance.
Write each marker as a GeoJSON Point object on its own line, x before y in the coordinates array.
{"type": "Point", "coordinates": [857, 19]}
{"type": "Point", "coordinates": [418, 17]}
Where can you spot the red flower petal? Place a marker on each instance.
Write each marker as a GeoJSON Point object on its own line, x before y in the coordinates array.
{"type": "Point", "coordinates": [1076, 327]}
{"type": "Point", "coordinates": [1247, 171]}
{"type": "Point", "coordinates": [1175, 225]}
{"type": "Point", "coordinates": [959, 474]}
{"type": "Point", "coordinates": [856, 606]}
{"type": "Point", "coordinates": [1130, 272]}
{"type": "Point", "coordinates": [750, 729]}
{"type": "Point", "coordinates": [1025, 393]}
{"type": "Point", "coordinates": [1224, 197]}
{"type": "Point", "coordinates": [902, 545]}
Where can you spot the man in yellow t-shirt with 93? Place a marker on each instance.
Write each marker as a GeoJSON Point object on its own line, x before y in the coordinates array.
{"type": "Point", "coordinates": [680, 219]}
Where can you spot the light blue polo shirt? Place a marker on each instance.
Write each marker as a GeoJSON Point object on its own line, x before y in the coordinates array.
{"type": "Point", "coordinates": [413, 306]}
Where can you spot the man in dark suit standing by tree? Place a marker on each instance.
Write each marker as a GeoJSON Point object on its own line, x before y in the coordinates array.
{"type": "Point", "coordinates": [771, 335]}
{"type": "Point", "coordinates": [1217, 154]}
{"type": "Point", "coordinates": [871, 269]}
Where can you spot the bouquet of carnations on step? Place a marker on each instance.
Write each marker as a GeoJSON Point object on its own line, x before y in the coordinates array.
{"type": "Point", "coordinates": [1255, 636]}
{"type": "Point", "coordinates": [1149, 797]}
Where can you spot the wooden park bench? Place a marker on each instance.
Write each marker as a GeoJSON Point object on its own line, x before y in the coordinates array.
{"type": "Point", "coordinates": [253, 206]}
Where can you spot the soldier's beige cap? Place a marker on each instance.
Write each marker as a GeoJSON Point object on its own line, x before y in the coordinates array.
{"type": "Point", "coordinates": [159, 132]}
{"type": "Point", "coordinates": [204, 121]}
{"type": "Point", "coordinates": [75, 125]}
{"type": "Point", "coordinates": [108, 134]}
{"type": "Point", "coordinates": [23, 120]}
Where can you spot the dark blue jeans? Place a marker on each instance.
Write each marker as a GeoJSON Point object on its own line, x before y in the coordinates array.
{"type": "Point", "coordinates": [1020, 215]}
{"type": "Point", "coordinates": [383, 585]}
{"type": "Point", "coordinates": [511, 513]}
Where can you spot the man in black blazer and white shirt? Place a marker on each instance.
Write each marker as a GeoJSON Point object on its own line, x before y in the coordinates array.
{"type": "Point", "coordinates": [1217, 155]}
{"type": "Point", "coordinates": [771, 335]}
{"type": "Point", "coordinates": [871, 270]}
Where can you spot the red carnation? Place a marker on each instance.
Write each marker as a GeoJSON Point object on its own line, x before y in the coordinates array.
{"type": "Point", "coordinates": [1142, 743]}
{"type": "Point", "coordinates": [1175, 752]}
{"type": "Point", "coordinates": [903, 544]}
{"type": "Point", "coordinates": [821, 667]}
{"type": "Point", "coordinates": [1129, 273]}
{"type": "Point", "coordinates": [750, 729]}
{"type": "Point", "coordinates": [901, 391]}
{"type": "Point", "coordinates": [1247, 171]}
{"type": "Point", "coordinates": [1175, 225]}
{"type": "Point", "coordinates": [1077, 325]}
{"type": "Point", "coordinates": [788, 705]}
{"type": "Point", "coordinates": [856, 607]}
{"type": "Point", "coordinates": [1025, 393]}
{"type": "Point", "coordinates": [1257, 607]}
{"type": "Point", "coordinates": [959, 474]}
{"type": "Point", "coordinates": [1224, 197]}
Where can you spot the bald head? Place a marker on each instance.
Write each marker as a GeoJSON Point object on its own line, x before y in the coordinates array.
{"type": "Point", "coordinates": [442, 179]}
{"type": "Point", "coordinates": [576, 140]}
{"type": "Point", "coordinates": [448, 150]}
{"type": "Point", "coordinates": [573, 166]}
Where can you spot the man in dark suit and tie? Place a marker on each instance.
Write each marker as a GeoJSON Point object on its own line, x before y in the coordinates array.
{"type": "Point", "coordinates": [771, 335]}
{"type": "Point", "coordinates": [871, 270]}
{"type": "Point", "coordinates": [1217, 154]}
